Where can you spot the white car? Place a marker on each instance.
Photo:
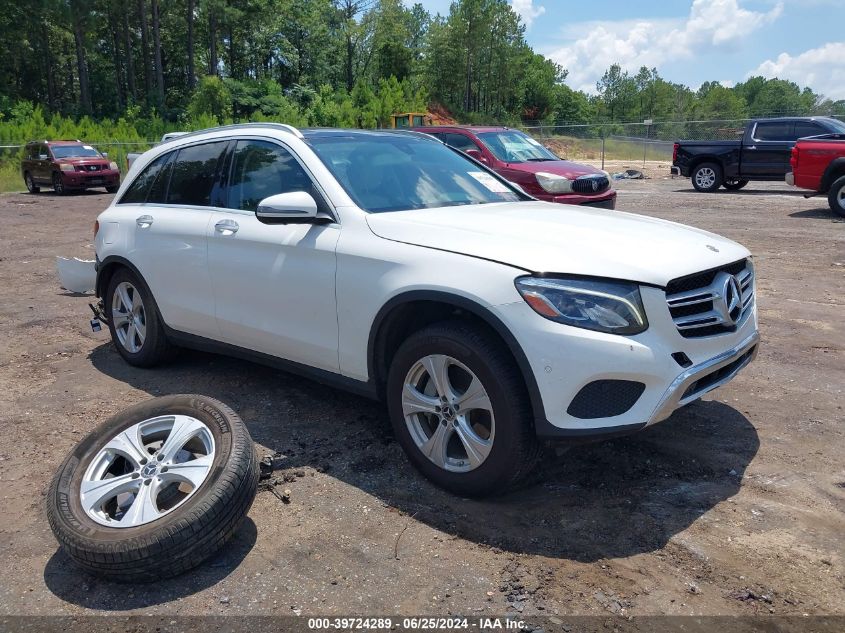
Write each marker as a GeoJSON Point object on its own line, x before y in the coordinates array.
{"type": "Point", "coordinates": [388, 264]}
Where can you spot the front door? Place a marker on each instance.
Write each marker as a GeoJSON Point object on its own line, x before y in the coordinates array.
{"type": "Point", "coordinates": [767, 154]}
{"type": "Point", "coordinates": [274, 284]}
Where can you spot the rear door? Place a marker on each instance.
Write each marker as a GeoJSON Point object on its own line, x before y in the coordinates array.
{"type": "Point", "coordinates": [274, 284]}
{"type": "Point", "coordinates": [171, 205]}
{"type": "Point", "coordinates": [766, 154]}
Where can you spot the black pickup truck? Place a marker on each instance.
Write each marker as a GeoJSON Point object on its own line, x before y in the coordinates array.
{"type": "Point", "coordinates": [762, 154]}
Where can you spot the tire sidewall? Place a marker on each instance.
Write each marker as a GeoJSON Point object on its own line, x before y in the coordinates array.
{"type": "Point", "coordinates": [717, 183]}
{"type": "Point", "coordinates": [58, 185]}
{"type": "Point", "coordinates": [833, 197]}
{"type": "Point", "coordinates": [30, 183]}
{"type": "Point", "coordinates": [65, 489]}
{"type": "Point", "coordinates": [500, 459]}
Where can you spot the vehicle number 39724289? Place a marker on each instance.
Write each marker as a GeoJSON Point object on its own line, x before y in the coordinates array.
{"type": "Point", "coordinates": [422, 623]}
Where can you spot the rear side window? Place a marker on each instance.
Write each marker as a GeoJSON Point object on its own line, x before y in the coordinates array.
{"type": "Point", "coordinates": [194, 179]}
{"type": "Point", "coordinates": [808, 128]}
{"type": "Point", "coordinates": [459, 141]}
{"type": "Point", "coordinates": [774, 131]}
{"type": "Point", "coordinates": [154, 176]}
{"type": "Point", "coordinates": [261, 169]}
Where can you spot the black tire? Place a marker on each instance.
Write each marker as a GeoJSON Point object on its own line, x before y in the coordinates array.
{"type": "Point", "coordinates": [155, 347]}
{"type": "Point", "coordinates": [514, 448]}
{"type": "Point", "coordinates": [58, 185]}
{"type": "Point", "coordinates": [836, 196]}
{"type": "Point", "coordinates": [31, 187]}
{"type": "Point", "coordinates": [734, 185]}
{"type": "Point", "coordinates": [112, 189]}
{"type": "Point", "coordinates": [180, 539]}
{"type": "Point", "coordinates": [707, 177]}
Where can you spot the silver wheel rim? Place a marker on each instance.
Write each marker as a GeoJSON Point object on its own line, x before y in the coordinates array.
{"type": "Point", "coordinates": [840, 198]}
{"type": "Point", "coordinates": [129, 317]}
{"type": "Point", "coordinates": [705, 177]}
{"type": "Point", "coordinates": [147, 471]}
{"type": "Point", "coordinates": [448, 413]}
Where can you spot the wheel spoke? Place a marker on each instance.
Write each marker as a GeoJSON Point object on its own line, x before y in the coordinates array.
{"type": "Point", "coordinates": [476, 448]}
{"type": "Point", "coordinates": [437, 367]}
{"type": "Point", "coordinates": [130, 337]}
{"type": "Point", "coordinates": [95, 493]}
{"type": "Point", "coordinates": [193, 472]}
{"type": "Point", "coordinates": [435, 447]}
{"type": "Point", "coordinates": [475, 397]}
{"type": "Point", "coordinates": [119, 319]}
{"type": "Point", "coordinates": [143, 508]}
{"type": "Point", "coordinates": [123, 293]}
{"type": "Point", "coordinates": [128, 444]}
{"type": "Point", "coordinates": [184, 429]}
{"type": "Point", "coordinates": [415, 402]}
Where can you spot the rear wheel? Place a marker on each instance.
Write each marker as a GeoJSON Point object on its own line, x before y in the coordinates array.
{"type": "Point", "coordinates": [113, 189]}
{"type": "Point", "coordinates": [31, 187]}
{"type": "Point", "coordinates": [58, 185]}
{"type": "Point", "coordinates": [460, 410]}
{"type": "Point", "coordinates": [706, 177]}
{"type": "Point", "coordinates": [734, 184]}
{"type": "Point", "coordinates": [135, 326]}
{"type": "Point", "coordinates": [836, 196]}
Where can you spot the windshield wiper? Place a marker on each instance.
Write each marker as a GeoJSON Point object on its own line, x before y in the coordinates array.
{"type": "Point", "coordinates": [539, 160]}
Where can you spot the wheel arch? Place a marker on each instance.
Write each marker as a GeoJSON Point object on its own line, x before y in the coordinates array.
{"type": "Point", "coordinates": [707, 158]}
{"type": "Point", "coordinates": [410, 311]}
{"type": "Point", "coordinates": [832, 172]}
{"type": "Point", "coordinates": [108, 267]}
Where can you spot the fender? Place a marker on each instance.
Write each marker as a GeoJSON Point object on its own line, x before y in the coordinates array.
{"type": "Point", "coordinates": [477, 310]}
{"type": "Point", "coordinates": [109, 262]}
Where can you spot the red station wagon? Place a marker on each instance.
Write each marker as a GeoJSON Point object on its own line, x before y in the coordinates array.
{"type": "Point", "coordinates": [524, 161]}
{"type": "Point", "coordinates": [67, 166]}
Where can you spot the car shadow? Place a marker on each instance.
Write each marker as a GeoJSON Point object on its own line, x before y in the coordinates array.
{"type": "Point", "coordinates": [64, 580]}
{"type": "Point", "coordinates": [608, 499]}
{"type": "Point", "coordinates": [822, 213]}
{"type": "Point", "coordinates": [747, 192]}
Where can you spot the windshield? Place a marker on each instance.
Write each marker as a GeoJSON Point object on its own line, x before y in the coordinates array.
{"type": "Point", "coordinates": [837, 125]}
{"type": "Point", "coordinates": [391, 172]}
{"type": "Point", "coordinates": [511, 146]}
{"type": "Point", "coordinates": [74, 151]}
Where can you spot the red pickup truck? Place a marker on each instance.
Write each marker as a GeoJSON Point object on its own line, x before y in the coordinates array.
{"type": "Point", "coordinates": [818, 164]}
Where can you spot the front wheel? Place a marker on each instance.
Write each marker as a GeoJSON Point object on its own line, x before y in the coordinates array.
{"type": "Point", "coordinates": [734, 184]}
{"type": "Point", "coordinates": [135, 326]}
{"type": "Point", "coordinates": [58, 185]}
{"type": "Point", "coordinates": [836, 196]}
{"type": "Point", "coordinates": [460, 410]}
{"type": "Point", "coordinates": [706, 177]}
{"type": "Point", "coordinates": [31, 187]}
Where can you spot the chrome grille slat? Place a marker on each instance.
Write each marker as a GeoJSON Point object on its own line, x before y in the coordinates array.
{"type": "Point", "coordinates": [699, 307]}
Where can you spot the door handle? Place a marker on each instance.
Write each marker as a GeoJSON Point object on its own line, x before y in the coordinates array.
{"type": "Point", "coordinates": [144, 221]}
{"type": "Point", "coordinates": [751, 147]}
{"type": "Point", "coordinates": [226, 227]}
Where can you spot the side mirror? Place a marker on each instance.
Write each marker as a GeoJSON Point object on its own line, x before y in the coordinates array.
{"type": "Point", "coordinates": [105, 154]}
{"type": "Point", "coordinates": [43, 157]}
{"type": "Point", "coordinates": [295, 207]}
{"type": "Point", "coordinates": [477, 155]}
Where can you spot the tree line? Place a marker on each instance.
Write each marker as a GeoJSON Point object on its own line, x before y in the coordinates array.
{"type": "Point", "coordinates": [326, 62]}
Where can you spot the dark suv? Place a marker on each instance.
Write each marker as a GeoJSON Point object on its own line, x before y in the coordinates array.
{"type": "Point", "coordinates": [67, 166]}
{"type": "Point", "coordinates": [524, 161]}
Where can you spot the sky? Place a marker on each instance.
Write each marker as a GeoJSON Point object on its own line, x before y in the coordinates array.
{"type": "Point", "coordinates": [689, 41]}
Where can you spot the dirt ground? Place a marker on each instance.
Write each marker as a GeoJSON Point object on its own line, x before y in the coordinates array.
{"type": "Point", "coordinates": [735, 505]}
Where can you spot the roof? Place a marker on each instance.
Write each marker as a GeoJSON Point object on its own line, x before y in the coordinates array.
{"type": "Point", "coordinates": [65, 142]}
{"type": "Point", "coordinates": [468, 128]}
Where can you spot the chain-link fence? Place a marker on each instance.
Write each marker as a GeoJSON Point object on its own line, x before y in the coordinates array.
{"type": "Point", "coordinates": [632, 141]}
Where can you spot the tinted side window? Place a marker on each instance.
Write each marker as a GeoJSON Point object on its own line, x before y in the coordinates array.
{"type": "Point", "coordinates": [261, 169]}
{"type": "Point", "coordinates": [774, 131]}
{"type": "Point", "coordinates": [195, 174]}
{"type": "Point", "coordinates": [459, 141]}
{"type": "Point", "coordinates": [808, 128]}
{"type": "Point", "coordinates": [140, 189]}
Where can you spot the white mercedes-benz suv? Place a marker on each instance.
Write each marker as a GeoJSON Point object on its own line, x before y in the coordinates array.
{"type": "Point", "coordinates": [389, 264]}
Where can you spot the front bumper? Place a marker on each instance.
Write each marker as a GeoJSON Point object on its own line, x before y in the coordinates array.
{"type": "Point", "coordinates": [605, 200]}
{"type": "Point", "coordinates": [83, 180]}
{"type": "Point", "coordinates": [566, 360]}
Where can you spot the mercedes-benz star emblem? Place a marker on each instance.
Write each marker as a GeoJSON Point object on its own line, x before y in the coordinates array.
{"type": "Point", "coordinates": [728, 300]}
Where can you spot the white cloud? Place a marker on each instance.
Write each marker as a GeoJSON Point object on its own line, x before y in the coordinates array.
{"type": "Point", "coordinates": [711, 24]}
{"type": "Point", "coordinates": [822, 69]}
{"type": "Point", "coordinates": [727, 83]}
{"type": "Point", "coordinates": [527, 11]}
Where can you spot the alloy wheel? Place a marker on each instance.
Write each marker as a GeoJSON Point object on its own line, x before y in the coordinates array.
{"type": "Point", "coordinates": [705, 177]}
{"type": "Point", "coordinates": [147, 470]}
{"type": "Point", "coordinates": [129, 317]}
{"type": "Point", "coordinates": [448, 413]}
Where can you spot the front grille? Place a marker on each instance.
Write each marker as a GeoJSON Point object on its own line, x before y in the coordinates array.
{"type": "Point", "coordinates": [590, 184]}
{"type": "Point", "coordinates": [713, 301]}
{"type": "Point", "coordinates": [89, 167]}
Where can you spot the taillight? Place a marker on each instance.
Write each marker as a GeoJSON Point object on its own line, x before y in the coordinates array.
{"type": "Point", "coordinates": [675, 152]}
{"type": "Point", "coordinates": [793, 160]}
{"type": "Point", "coordinates": [96, 227]}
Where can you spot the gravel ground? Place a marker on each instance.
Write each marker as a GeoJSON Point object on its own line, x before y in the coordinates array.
{"type": "Point", "coordinates": [735, 505]}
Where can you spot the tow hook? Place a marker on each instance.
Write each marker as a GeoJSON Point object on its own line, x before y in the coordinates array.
{"type": "Point", "coordinates": [99, 315]}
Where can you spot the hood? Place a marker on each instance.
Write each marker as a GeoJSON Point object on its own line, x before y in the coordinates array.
{"type": "Point", "coordinates": [83, 160]}
{"type": "Point", "coordinates": [554, 238]}
{"type": "Point", "coordinates": [565, 168]}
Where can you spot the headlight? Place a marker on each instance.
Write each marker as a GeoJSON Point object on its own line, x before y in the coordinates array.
{"type": "Point", "coordinates": [614, 307]}
{"type": "Point", "coordinates": [553, 183]}
{"type": "Point", "coordinates": [66, 167]}
{"type": "Point", "coordinates": [113, 166]}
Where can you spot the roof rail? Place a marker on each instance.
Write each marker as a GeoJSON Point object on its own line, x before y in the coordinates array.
{"type": "Point", "coordinates": [235, 126]}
